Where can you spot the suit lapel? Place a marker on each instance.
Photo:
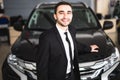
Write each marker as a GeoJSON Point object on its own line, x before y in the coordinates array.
{"type": "Point", "coordinates": [59, 39]}
{"type": "Point", "coordinates": [72, 31]}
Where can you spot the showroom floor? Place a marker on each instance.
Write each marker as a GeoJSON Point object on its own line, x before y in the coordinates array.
{"type": "Point", "coordinates": [4, 49]}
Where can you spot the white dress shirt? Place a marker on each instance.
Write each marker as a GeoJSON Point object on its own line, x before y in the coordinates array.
{"type": "Point", "coordinates": [66, 46]}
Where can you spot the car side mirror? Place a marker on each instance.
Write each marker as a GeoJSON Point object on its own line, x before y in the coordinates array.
{"type": "Point", "coordinates": [107, 25]}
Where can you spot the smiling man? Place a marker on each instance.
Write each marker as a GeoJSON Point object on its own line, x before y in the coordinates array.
{"type": "Point", "coordinates": [57, 58]}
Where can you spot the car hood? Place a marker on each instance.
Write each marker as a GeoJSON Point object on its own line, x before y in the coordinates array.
{"type": "Point", "coordinates": [97, 37]}
{"type": "Point", "coordinates": [26, 45]}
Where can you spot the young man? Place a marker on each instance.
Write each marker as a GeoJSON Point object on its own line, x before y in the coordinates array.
{"type": "Point", "coordinates": [57, 57]}
{"type": "Point", "coordinates": [54, 61]}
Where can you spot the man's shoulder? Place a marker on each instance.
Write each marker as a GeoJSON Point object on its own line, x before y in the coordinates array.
{"type": "Point", "coordinates": [48, 33]}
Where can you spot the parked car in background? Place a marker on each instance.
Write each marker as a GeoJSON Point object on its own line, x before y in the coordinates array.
{"type": "Point", "coordinates": [116, 14]}
{"type": "Point", "coordinates": [4, 28]}
{"type": "Point", "coordinates": [20, 64]}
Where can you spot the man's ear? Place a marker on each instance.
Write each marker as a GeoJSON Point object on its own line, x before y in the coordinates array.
{"type": "Point", "coordinates": [54, 16]}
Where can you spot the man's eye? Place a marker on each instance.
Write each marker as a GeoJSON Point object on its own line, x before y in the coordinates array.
{"type": "Point", "coordinates": [69, 13]}
{"type": "Point", "coordinates": [61, 12]}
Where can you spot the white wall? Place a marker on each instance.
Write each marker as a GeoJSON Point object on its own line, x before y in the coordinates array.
{"type": "Point", "coordinates": [103, 6]}
{"type": "Point", "coordinates": [1, 0]}
{"type": "Point", "coordinates": [19, 7]}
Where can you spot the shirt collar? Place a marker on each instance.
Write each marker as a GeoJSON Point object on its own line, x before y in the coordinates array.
{"type": "Point", "coordinates": [60, 30]}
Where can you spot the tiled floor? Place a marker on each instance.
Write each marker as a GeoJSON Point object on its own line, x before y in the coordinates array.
{"type": "Point", "coordinates": [4, 50]}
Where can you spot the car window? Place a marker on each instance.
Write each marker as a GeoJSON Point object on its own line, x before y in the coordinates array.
{"type": "Point", "coordinates": [43, 19]}
{"type": "Point", "coordinates": [83, 19]}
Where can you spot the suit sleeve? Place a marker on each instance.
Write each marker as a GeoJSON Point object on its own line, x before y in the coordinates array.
{"type": "Point", "coordinates": [42, 59]}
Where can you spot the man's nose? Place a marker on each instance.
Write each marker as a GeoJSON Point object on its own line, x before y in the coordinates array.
{"type": "Point", "coordinates": [65, 15]}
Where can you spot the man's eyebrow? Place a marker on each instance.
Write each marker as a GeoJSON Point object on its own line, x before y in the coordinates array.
{"type": "Point", "coordinates": [63, 11]}
{"type": "Point", "coordinates": [69, 11]}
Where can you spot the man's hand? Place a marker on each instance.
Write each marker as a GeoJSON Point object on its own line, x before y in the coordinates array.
{"type": "Point", "coordinates": [94, 48]}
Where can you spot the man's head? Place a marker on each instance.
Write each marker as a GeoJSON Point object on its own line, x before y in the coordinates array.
{"type": "Point", "coordinates": [61, 3]}
{"type": "Point", "coordinates": [63, 13]}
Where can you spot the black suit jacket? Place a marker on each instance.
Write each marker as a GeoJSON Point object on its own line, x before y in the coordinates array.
{"type": "Point", "coordinates": [52, 61]}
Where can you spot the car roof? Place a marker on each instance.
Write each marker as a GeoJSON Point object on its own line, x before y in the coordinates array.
{"type": "Point", "coordinates": [52, 4]}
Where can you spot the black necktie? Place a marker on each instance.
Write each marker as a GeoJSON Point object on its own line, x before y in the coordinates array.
{"type": "Point", "coordinates": [71, 61]}
{"type": "Point", "coordinates": [70, 50]}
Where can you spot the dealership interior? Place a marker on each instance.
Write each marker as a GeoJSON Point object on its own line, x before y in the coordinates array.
{"type": "Point", "coordinates": [10, 15]}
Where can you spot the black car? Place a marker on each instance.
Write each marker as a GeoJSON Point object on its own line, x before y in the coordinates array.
{"type": "Point", "coordinates": [20, 63]}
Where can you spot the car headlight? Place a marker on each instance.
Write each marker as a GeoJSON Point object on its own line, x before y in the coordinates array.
{"type": "Point", "coordinates": [26, 67]}
{"type": "Point", "coordinates": [110, 61]}
{"type": "Point", "coordinates": [105, 64]}
{"type": "Point", "coordinates": [95, 68]}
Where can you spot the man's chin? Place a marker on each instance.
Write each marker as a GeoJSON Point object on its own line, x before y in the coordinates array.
{"type": "Point", "coordinates": [65, 25]}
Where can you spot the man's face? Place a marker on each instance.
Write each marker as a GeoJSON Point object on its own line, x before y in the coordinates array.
{"type": "Point", "coordinates": [63, 15]}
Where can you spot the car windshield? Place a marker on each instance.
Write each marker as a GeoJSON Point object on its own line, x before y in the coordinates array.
{"type": "Point", "coordinates": [43, 19]}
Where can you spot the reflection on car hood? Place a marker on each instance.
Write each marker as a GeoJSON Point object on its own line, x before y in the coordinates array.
{"type": "Point", "coordinates": [28, 42]}
{"type": "Point", "coordinates": [97, 37]}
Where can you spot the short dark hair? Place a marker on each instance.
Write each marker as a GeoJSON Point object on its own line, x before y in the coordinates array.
{"type": "Point", "coordinates": [61, 3]}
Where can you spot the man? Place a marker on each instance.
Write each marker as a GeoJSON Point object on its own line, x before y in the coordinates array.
{"type": "Point", "coordinates": [55, 61]}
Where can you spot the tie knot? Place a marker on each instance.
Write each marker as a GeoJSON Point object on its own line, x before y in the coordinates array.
{"type": "Point", "coordinates": [67, 39]}
{"type": "Point", "coordinates": [65, 33]}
